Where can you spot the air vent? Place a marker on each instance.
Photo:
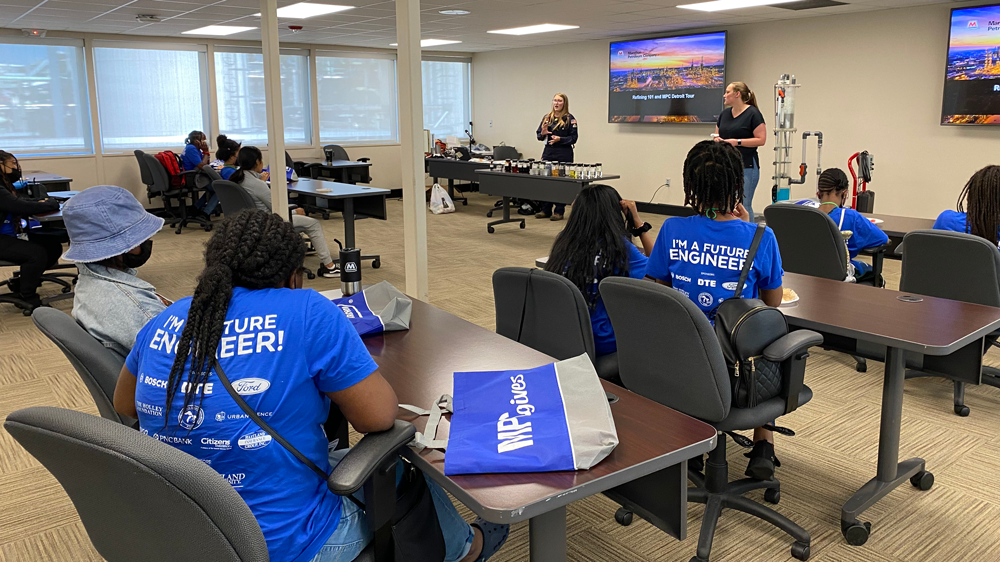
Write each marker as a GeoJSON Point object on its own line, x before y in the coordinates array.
{"type": "Point", "coordinates": [809, 4]}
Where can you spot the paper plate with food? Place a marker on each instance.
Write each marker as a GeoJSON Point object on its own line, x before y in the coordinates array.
{"type": "Point", "coordinates": [788, 296]}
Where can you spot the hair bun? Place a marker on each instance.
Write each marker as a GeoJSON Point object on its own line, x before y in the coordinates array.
{"type": "Point", "coordinates": [221, 139]}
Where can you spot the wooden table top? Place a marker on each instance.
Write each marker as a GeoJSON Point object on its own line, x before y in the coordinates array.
{"type": "Point", "coordinates": [933, 326]}
{"type": "Point", "coordinates": [419, 364]}
{"type": "Point", "coordinates": [338, 190]}
{"type": "Point", "coordinates": [897, 227]}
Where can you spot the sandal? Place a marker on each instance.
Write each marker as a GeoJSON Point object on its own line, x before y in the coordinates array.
{"type": "Point", "coordinates": [494, 535]}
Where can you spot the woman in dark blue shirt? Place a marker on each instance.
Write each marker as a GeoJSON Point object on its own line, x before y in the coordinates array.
{"type": "Point", "coordinates": [559, 132]}
{"type": "Point", "coordinates": [741, 124]}
{"type": "Point", "coordinates": [982, 197]}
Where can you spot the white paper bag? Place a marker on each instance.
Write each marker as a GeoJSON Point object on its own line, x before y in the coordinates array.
{"type": "Point", "coordinates": [440, 201]}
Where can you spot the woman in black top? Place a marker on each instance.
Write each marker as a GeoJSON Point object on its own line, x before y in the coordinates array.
{"type": "Point", "coordinates": [558, 131]}
{"type": "Point", "coordinates": [38, 252]}
{"type": "Point", "coordinates": [742, 125]}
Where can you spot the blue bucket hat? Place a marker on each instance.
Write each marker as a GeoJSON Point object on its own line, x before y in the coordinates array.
{"type": "Point", "coordinates": [105, 221]}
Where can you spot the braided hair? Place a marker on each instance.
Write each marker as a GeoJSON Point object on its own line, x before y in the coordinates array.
{"type": "Point", "coordinates": [255, 250]}
{"type": "Point", "coordinates": [6, 157]}
{"type": "Point", "coordinates": [982, 194]}
{"type": "Point", "coordinates": [592, 246]}
{"type": "Point", "coordinates": [713, 178]}
{"type": "Point", "coordinates": [832, 181]}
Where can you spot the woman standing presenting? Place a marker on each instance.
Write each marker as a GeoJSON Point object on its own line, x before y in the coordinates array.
{"type": "Point", "coordinates": [742, 125]}
{"type": "Point", "coordinates": [558, 131]}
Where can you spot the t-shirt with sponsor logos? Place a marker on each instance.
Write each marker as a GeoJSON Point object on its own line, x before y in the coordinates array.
{"type": "Point", "coordinates": [281, 349]}
{"type": "Point", "coordinates": [702, 258]}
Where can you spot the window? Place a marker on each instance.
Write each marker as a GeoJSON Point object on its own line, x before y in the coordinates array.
{"type": "Point", "coordinates": [446, 96]}
{"type": "Point", "coordinates": [357, 99]}
{"type": "Point", "coordinates": [43, 99]}
{"type": "Point", "coordinates": [239, 83]}
{"type": "Point", "coordinates": [150, 97]}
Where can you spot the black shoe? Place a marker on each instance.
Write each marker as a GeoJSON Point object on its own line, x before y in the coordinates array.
{"type": "Point", "coordinates": [14, 285]}
{"type": "Point", "coordinates": [31, 302]}
{"type": "Point", "coordinates": [328, 273]}
{"type": "Point", "coordinates": [762, 461]}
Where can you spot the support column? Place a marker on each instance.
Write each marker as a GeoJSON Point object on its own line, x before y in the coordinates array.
{"type": "Point", "coordinates": [411, 128]}
{"type": "Point", "coordinates": [272, 104]}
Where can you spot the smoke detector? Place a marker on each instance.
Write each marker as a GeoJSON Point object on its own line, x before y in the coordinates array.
{"type": "Point", "coordinates": [295, 28]}
{"type": "Point", "coordinates": [147, 18]}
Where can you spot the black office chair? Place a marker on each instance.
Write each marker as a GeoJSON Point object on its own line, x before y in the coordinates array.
{"type": "Point", "coordinates": [668, 352]}
{"type": "Point", "coordinates": [956, 266]}
{"type": "Point", "coordinates": [502, 152]}
{"type": "Point", "coordinates": [128, 488]}
{"type": "Point", "coordinates": [65, 280]}
{"type": "Point", "coordinates": [547, 313]}
{"type": "Point", "coordinates": [810, 243]}
{"type": "Point", "coordinates": [157, 182]}
{"type": "Point", "coordinates": [337, 152]}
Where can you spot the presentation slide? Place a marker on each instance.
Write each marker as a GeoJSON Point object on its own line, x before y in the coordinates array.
{"type": "Point", "coordinates": [667, 80]}
{"type": "Point", "coordinates": [972, 78]}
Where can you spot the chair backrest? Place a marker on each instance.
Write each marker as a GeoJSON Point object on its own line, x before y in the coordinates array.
{"type": "Point", "coordinates": [951, 265]}
{"type": "Point", "coordinates": [289, 163]}
{"type": "Point", "coordinates": [159, 178]}
{"type": "Point", "coordinates": [206, 177]}
{"type": "Point", "coordinates": [667, 349]}
{"type": "Point", "coordinates": [232, 197]}
{"type": "Point", "coordinates": [335, 152]}
{"type": "Point", "coordinates": [556, 320]}
{"type": "Point", "coordinates": [505, 152]}
{"type": "Point", "coordinates": [144, 172]}
{"type": "Point", "coordinates": [97, 365]}
{"type": "Point", "coordinates": [809, 241]}
{"type": "Point", "coordinates": [139, 499]}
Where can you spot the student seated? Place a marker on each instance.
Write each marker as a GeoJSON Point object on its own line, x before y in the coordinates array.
{"type": "Point", "coordinates": [982, 198]}
{"type": "Point", "coordinates": [595, 244]}
{"type": "Point", "coordinates": [832, 194]}
{"type": "Point", "coordinates": [253, 178]}
{"type": "Point", "coordinates": [110, 235]}
{"type": "Point", "coordinates": [33, 252]}
{"type": "Point", "coordinates": [306, 353]}
{"type": "Point", "coordinates": [195, 157]}
{"type": "Point", "coordinates": [700, 256]}
{"type": "Point", "coordinates": [227, 152]}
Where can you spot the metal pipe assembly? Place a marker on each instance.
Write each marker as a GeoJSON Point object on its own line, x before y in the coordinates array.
{"type": "Point", "coordinates": [784, 133]}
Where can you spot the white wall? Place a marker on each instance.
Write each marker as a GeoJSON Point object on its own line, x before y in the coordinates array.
{"type": "Point", "coordinates": [871, 81]}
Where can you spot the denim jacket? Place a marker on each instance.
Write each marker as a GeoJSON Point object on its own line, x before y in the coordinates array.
{"type": "Point", "coordinates": [113, 305]}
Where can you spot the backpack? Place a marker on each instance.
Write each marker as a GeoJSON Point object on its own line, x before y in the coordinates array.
{"type": "Point", "coordinates": [744, 328]}
{"type": "Point", "coordinates": [172, 164]}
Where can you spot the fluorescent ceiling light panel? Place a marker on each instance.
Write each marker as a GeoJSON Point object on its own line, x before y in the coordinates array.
{"type": "Point", "coordinates": [528, 30]}
{"type": "Point", "coordinates": [719, 5]}
{"type": "Point", "coordinates": [304, 10]}
{"type": "Point", "coordinates": [220, 30]}
{"type": "Point", "coordinates": [431, 42]}
{"type": "Point", "coordinates": [454, 12]}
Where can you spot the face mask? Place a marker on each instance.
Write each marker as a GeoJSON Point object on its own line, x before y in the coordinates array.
{"type": "Point", "coordinates": [138, 260]}
{"type": "Point", "coordinates": [13, 175]}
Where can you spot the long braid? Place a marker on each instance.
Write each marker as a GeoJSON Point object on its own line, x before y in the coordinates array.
{"type": "Point", "coordinates": [713, 177]}
{"type": "Point", "coordinates": [982, 193]}
{"type": "Point", "coordinates": [255, 250]}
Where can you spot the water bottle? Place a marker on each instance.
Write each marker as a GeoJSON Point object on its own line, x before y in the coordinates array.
{"type": "Point", "coordinates": [600, 173]}
{"type": "Point", "coordinates": [350, 271]}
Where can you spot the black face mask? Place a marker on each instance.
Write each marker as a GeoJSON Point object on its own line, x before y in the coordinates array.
{"type": "Point", "coordinates": [138, 260]}
{"type": "Point", "coordinates": [13, 175]}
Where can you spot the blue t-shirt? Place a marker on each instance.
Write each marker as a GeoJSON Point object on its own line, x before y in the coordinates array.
{"type": "Point", "coordinates": [953, 221]}
{"type": "Point", "coordinates": [281, 349]}
{"type": "Point", "coordinates": [702, 258]}
{"type": "Point", "coordinates": [225, 172]}
{"type": "Point", "coordinates": [866, 234]}
{"type": "Point", "coordinates": [191, 158]}
{"type": "Point", "coordinates": [604, 335]}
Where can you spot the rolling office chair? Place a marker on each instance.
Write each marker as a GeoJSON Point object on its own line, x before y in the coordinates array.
{"type": "Point", "coordinates": [337, 152]}
{"type": "Point", "coordinates": [956, 266]}
{"type": "Point", "coordinates": [668, 352]}
{"type": "Point", "coordinates": [547, 313]}
{"type": "Point", "coordinates": [157, 183]}
{"type": "Point", "coordinates": [13, 297]}
{"type": "Point", "coordinates": [502, 152]}
{"type": "Point", "coordinates": [106, 468]}
{"type": "Point", "coordinates": [810, 243]}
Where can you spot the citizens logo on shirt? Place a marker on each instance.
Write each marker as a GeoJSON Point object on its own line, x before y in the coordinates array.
{"type": "Point", "coordinates": [216, 444]}
{"type": "Point", "coordinates": [250, 386]}
{"type": "Point", "coordinates": [254, 441]}
{"type": "Point", "coordinates": [191, 418]}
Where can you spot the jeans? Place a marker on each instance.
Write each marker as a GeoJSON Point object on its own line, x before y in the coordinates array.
{"type": "Point", "coordinates": [750, 178]}
{"type": "Point", "coordinates": [352, 534]}
{"type": "Point", "coordinates": [560, 208]}
{"type": "Point", "coordinates": [208, 202]}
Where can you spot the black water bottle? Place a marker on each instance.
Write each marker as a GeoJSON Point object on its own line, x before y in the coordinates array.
{"type": "Point", "coordinates": [350, 271]}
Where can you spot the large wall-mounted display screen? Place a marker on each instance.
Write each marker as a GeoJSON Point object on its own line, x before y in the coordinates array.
{"type": "Point", "coordinates": [972, 77]}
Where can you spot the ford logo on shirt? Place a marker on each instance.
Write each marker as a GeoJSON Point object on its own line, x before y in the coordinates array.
{"type": "Point", "coordinates": [730, 286]}
{"type": "Point", "coordinates": [248, 387]}
{"type": "Point", "coordinates": [254, 441]}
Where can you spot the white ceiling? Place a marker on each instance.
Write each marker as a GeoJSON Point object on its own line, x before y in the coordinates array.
{"type": "Point", "coordinates": [372, 23]}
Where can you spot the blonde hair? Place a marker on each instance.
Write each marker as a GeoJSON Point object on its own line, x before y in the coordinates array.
{"type": "Point", "coordinates": [746, 94]}
{"type": "Point", "coordinates": [552, 116]}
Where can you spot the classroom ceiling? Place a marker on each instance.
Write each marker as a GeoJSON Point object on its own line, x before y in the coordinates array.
{"type": "Point", "coordinates": [372, 22]}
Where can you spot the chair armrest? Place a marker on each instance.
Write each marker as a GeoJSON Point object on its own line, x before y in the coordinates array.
{"type": "Point", "coordinates": [364, 159]}
{"type": "Point", "coordinates": [370, 453]}
{"type": "Point", "coordinates": [790, 344]}
{"type": "Point", "coordinates": [291, 210]}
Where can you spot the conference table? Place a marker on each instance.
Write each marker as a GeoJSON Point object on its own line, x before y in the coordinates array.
{"type": "Point", "coordinates": [941, 330]}
{"type": "Point", "coordinates": [453, 169]}
{"type": "Point", "coordinates": [343, 171]}
{"type": "Point", "coordinates": [536, 188]}
{"type": "Point", "coordinates": [49, 182]}
{"type": "Point", "coordinates": [647, 471]}
{"type": "Point", "coordinates": [351, 199]}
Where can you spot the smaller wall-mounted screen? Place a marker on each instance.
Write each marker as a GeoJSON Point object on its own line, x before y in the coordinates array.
{"type": "Point", "coordinates": [972, 77]}
{"type": "Point", "coordinates": [667, 80]}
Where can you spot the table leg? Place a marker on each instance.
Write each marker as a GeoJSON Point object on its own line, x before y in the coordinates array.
{"type": "Point", "coordinates": [349, 223]}
{"type": "Point", "coordinates": [547, 534]}
{"type": "Point", "coordinates": [506, 217]}
{"type": "Point", "coordinates": [891, 473]}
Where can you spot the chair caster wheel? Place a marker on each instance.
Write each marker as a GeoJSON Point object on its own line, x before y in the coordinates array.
{"type": "Point", "coordinates": [522, 225]}
{"type": "Point", "coordinates": [489, 214]}
{"type": "Point", "coordinates": [773, 495]}
{"type": "Point", "coordinates": [326, 216]}
{"type": "Point", "coordinates": [861, 368]}
{"type": "Point", "coordinates": [311, 275]}
{"type": "Point", "coordinates": [490, 229]}
{"type": "Point", "coordinates": [800, 551]}
{"type": "Point", "coordinates": [623, 517]}
{"type": "Point", "coordinates": [856, 534]}
{"type": "Point", "coordinates": [465, 203]}
{"type": "Point", "coordinates": [66, 290]}
{"type": "Point", "coordinates": [26, 312]}
{"type": "Point", "coordinates": [962, 410]}
{"type": "Point", "coordinates": [922, 480]}
{"type": "Point", "coordinates": [208, 228]}
{"type": "Point", "coordinates": [376, 264]}
{"type": "Point", "coordinates": [696, 559]}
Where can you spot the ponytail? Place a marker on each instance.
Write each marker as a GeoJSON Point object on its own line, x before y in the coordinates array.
{"type": "Point", "coordinates": [746, 94]}
{"type": "Point", "coordinates": [246, 160]}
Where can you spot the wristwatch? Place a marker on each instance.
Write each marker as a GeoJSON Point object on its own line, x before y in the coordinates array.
{"type": "Point", "coordinates": [739, 142]}
{"type": "Point", "coordinates": [646, 227]}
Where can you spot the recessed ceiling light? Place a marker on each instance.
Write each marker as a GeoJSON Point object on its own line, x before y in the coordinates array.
{"type": "Point", "coordinates": [719, 5]}
{"type": "Point", "coordinates": [541, 28]}
{"type": "Point", "coordinates": [454, 12]}
{"type": "Point", "coordinates": [304, 10]}
{"type": "Point", "coordinates": [431, 42]}
{"type": "Point", "coordinates": [220, 30]}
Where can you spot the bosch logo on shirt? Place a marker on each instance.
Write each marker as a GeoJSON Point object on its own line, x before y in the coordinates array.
{"type": "Point", "coordinates": [191, 418]}
{"type": "Point", "coordinates": [254, 441]}
{"type": "Point", "coordinates": [250, 386]}
{"type": "Point", "coordinates": [155, 383]}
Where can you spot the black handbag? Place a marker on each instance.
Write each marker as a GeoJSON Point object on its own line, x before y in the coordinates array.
{"type": "Point", "coordinates": [416, 532]}
{"type": "Point", "coordinates": [744, 328]}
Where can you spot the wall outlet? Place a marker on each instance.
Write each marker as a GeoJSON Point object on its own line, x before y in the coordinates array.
{"type": "Point", "coordinates": [491, 124]}
{"type": "Point", "coordinates": [667, 182]}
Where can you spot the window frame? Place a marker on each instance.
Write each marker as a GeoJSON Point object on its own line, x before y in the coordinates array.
{"type": "Point", "coordinates": [468, 78]}
{"type": "Point", "coordinates": [325, 53]}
